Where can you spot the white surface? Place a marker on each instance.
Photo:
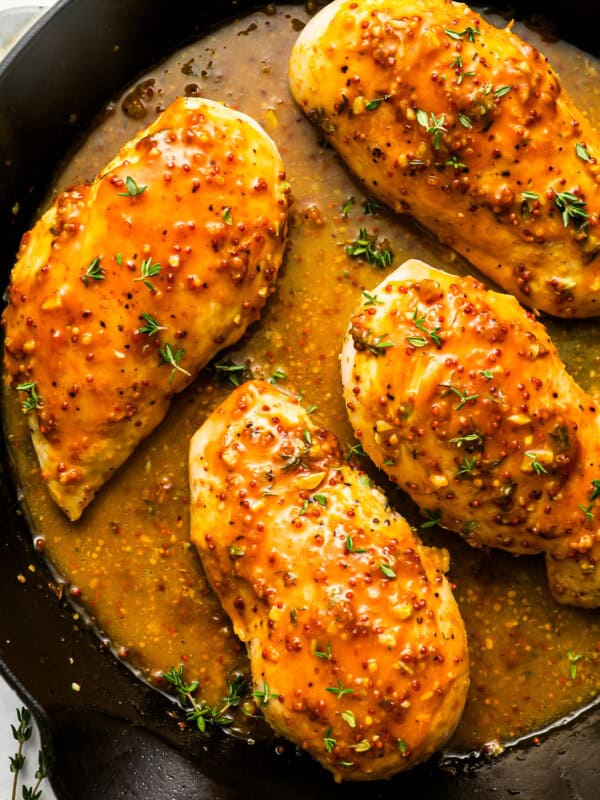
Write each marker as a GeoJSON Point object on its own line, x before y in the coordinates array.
{"type": "Point", "coordinates": [9, 701]}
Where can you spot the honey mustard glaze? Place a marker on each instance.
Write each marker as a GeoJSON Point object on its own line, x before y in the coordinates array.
{"type": "Point", "coordinates": [129, 561]}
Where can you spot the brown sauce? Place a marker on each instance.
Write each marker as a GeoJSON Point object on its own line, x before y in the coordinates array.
{"type": "Point", "coordinates": [129, 561]}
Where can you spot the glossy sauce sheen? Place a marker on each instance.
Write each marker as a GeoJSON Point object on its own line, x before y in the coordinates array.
{"type": "Point", "coordinates": [129, 560]}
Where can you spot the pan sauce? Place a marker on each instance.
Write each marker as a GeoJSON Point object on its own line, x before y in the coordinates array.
{"type": "Point", "coordinates": [129, 561]}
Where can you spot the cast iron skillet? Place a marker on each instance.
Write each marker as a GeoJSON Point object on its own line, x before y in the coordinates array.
{"type": "Point", "coordinates": [116, 738]}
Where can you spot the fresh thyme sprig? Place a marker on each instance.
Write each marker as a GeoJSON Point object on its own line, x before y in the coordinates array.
{"type": "Point", "coordinates": [200, 712]}
{"type": "Point", "coordinates": [233, 373]}
{"type": "Point", "coordinates": [469, 32]}
{"type": "Point", "coordinates": [368, 248]}
{"type": "Point", "coordinates": [298, 459]}
{"type": "Point", "coordinates": [436, 126]}
{"type": "Point", "coordinates": [371, 207]}
{"type": "Point", "coordinates": [22, 734]}
{"type": "Point", "coordinates": [152, 327]}
{"type": "Point", "coordinates": [572, 208]}
{"type": "Point", "coordinates": [420, 324]}
{"type": "Point", "coordinates": [33, 399]}
{"type": "Point", "coordinates": [377, 345]}
{"type": "Point", "coordinates": [356, 451]}
{"type": "Point", "coordinates": [169, 357]}
{"type": "Point", "coordinates": [536, 465]}
{"type": "Point", "coordinates": [467, 468]}
{"type": "Point", "coordinates": [93, 272]}
{"type": "Point", "coordinates": [148, 270]}
{"type": "Point", "coordinates": [434, 517]}
{"type": "Point", "coordinates": [462, 395]}
{"type": "Point", "coordinates": [133, 189]}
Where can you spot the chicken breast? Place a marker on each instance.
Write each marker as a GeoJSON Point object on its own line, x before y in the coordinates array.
{"type": "Point", "coordinates": [128, 286]}
{"type": "Point", "coordinates": [466, 128]}
{"type": "Point", "coordinates": [461, 397]}
{"type": "Point", "coordinates": [356, 645]}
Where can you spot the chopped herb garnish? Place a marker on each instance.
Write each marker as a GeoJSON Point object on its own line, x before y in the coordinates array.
{"type": "Point", "coordinates": [402, 747]}
{"type": "Point", "coordinates": [362, 746]}
{"type": "Point", "coordinates": [350, 546]}
{"type": "Point", "coordinates": [572, 208]}
{"type": "Point", "coordinates": [388, 462]}
{"type": "Point", "coordinates": [356, 451]}
{"type": "Point", "coordinates": [530, 196]}
{"type": "Point", "coordinates": [339, 691]}
{"type": "Point", "coordinates": [234, 373]}
{"type": "Point", "coordinates": [200, 712]}
{"type": "Point", "coordinates": [226, 215]}
{"type": "Point", "coordinates": [469, 32]}
{"type": "Point", "coordinates": [371, 299]}
{"type": "Point", "coordinates": [536, 465]}
{"type": "Point", "coordinates": [94, 271]}
{"type": "Point", "coordinates": [587, 511]}
{"type": "Point", "coordinates": [328, 742]}
{"type": "Point", "coordinates": [454, 162]}
{"type": "Point", "coordinates": [349, 718]}
{"type": "Point", "coordinates": [311, 409]}
{"type": "Point", "coordinates": [469, 526]}
{"type": "Point", "coordinates": [307, 438]}
{"type": "Point", "coordinates": [582, 152]}
{"type": "Point", "coordinates": [347, 206]}
{"type": "Point", "coordinates": [470, 437]}
{"type": "Point", "coordinates": [487, 374]}
{"type": "Point", "coordinates": [33, 399]}
{"type": "Point", "coordinates": [434, 517]}
{"type": "Point", "coordinates": [119, 259]}
{"type": "Point", "coordinates": [595, 488]}
{"type": "Point", "coordinates": [457, 63]}
{"type": "Point", "coordinates": [320, 499]}
{"type": "Point", "coordinates": [368, 248]}
{"type": "Point", "coordinates": [236, 552]}
{"type": "Point", "coordinates": [151, 327]}
{"type": "Point", "coordinates": [386, 570]}
{"type": "Point", "coordinates": [465, 121]}
{"type": "Point", "coordinates": [373, 105]}
{"type": "Point", "coordinates": [169, 357]}
{"type": "Point", "coordinates": [416, 341]}
{"type": "Point", "coordinates": [372, 207]}
{"type": "Point", "coordinates": [502, 90]}
{"type": "Point", "coordinates": [377, 346]}
{"type": "Point", "coordinates": [573, 661]}
{"type": "Point", "coordinates": [264, 695]}
{"type": "Point", "coordinates": [148, 270]}
{"type": "Point", "coordinates": [324, 654]}
{"type": "Point", "coordinates": [296, 460]}
{"type": "Point", "coordinates": [304, 508]}
{"type": "Point", "coordinates": [133, 190]}
{"type": "Point", "coordinates": [464, 75]}
{"type": "Point", "coordinates": [467, 468]}
{"type": "Point", "coordinates": [420, 324]}
{"type": "Point", "coordinates": [436, 126]}
{"type": "Point", "coordinates": [278, 375]}
{"type": "Point", "coordinates": [462, 395]}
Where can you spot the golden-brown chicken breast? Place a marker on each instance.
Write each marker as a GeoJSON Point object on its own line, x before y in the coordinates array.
{"type": "Point", "coordinates": [466, 128]}
{"type": "Point", "coordinates": [460, 396]}
{"type": "Point", "coordinates": [126, 287]}
{"type": "Point", "coordinates": [356, 645]}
